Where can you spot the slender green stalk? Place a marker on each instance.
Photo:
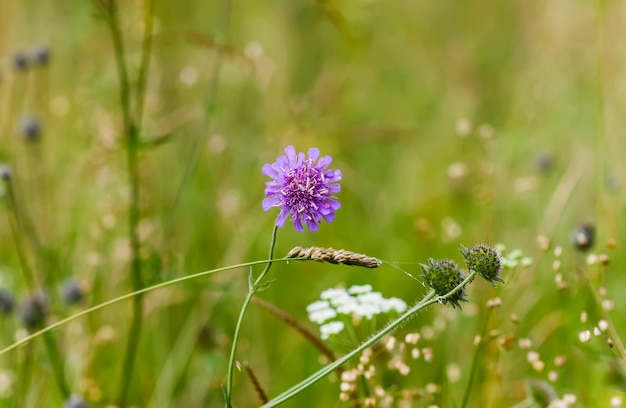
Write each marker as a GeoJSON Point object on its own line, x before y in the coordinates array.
{"type": "Point", "coordinates": [14, 221]}
{"type": "Point", "coordinates": [34, 285]}
{"type": "Point", "coordinates": [146, 51]}
{"type": "Point", "coordinates": [472, 373]}
{"type": "Point", "coordinates": [131, 295]}
{"type": "Point", "coordinates": [131, 130]}
{"type": "Point", "coordinates": [428, 300]}
{"type": "Point", "coordinates": [210, 103]}
{"type": "Point", "coordinates": [251, 291]}
{"type": "Point", "coordinates": [57, 364]}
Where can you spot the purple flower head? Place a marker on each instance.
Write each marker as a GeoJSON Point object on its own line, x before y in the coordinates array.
{"type": "Point", "coordinates": [302, 188]}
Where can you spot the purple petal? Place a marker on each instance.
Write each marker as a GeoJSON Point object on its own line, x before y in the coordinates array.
{"type": "Point", "coordinates": [332, 175]}
{"type": "Point", "coordinates": [282, 217]}
{"type": "Point", "coordinates": [314, 154]}
{"type": "Point", "coordinates": [334, 188]}
{"type": "Point", "coordinates": [281, 165]}
{"type": "Point", "coordinates": [312, 225]}
{"type": "Point", "coordinates": [290, 151]}
{"type": "Point", "coordinates": [269, 171]}
{"type": "Point", "coordinates": [297, 224]}
{"type": "Point", "coordinates": [329, 217]}
{"type": "Point", "coordinates": [300, 160]}
{"type": "Point", "coordinates": [269, 203]}
{"type": "Point", "coordinates": [324, 162]}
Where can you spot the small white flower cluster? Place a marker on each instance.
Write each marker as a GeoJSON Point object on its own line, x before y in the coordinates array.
{"type": "Point", "coordinates": [356, 301]}
{"type": "Point", "coordinates": [513, 258]}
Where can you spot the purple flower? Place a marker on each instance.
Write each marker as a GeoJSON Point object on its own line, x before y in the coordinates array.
{"type": "Point", "coordinates": [302, 188]}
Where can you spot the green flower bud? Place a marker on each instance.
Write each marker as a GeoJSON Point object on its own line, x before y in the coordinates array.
{"type": "Point", "coordinates": [443, 277]}
{"type": "Point", "coordinates": [485, 260]}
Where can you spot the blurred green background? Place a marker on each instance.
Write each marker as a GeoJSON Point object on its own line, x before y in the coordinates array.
{"type": "Point", "coordinates": [452, 122]}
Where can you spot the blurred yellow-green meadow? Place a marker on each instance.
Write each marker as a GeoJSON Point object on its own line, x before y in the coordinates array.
{"type": "Point", "coordinates": [133, 139]}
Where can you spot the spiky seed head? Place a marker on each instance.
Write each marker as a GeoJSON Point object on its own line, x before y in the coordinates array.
{"type": "Point", "coordinates": [443, 277]}
{"type": "Point", "coordinates": [485, 260]}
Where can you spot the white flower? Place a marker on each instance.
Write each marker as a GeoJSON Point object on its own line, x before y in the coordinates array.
{"type": "Point", "coordinates": [359, 289]}
{"type": "Point", "coordinates": [317, 305]}
{"type": "Point", "coordinates": [394, 303]}
{"type": "Point", "coordinates": [331, 328]}
{"type": "Point", "coordinates": [332, 293]}
{"type": "Point", "coordinates": [320, 316]}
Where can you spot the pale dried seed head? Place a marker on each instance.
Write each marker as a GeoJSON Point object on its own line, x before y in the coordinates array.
{"type": "Point", "coordinates": [334, 256]}
{"type": "Point", "coordinates": [553, 376]}
{"type": "Point", "coordinates": [538, 365]}
{"type": "Point", "coordinates": [584, 336]}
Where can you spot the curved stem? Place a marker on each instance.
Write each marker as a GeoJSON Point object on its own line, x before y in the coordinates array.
{"type": "Point", "coordinates": [131, 295]}
{"type": "Point", "coordinates": [251, 291]}
{"type": "Point", "coordinates": [428, 300]}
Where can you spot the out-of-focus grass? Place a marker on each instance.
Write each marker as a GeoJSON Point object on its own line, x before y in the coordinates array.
{"type": "Point", "coordinates": [386, 88]}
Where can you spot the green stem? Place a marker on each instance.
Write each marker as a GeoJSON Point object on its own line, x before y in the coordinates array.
{"type": "Point", "coordinates": [472, 374]}
{"type": "Point", "coordinates": [57, 364]}
{"type": "Point", "coordinates": [192, 158]}
{"type": "Point", "coordinates": [132, 131]}
{"type": "Point", "coordinates": [146, 51]}
{"type": "Point", "coordinates": [251, 291]}
{"type": "Point", "coordinates": [131, 295]}
{"type": "Point", "coordinates": [33, 284]}
{"type": "Point", "coordinates": [428, 300]}
{"type": "Point", "coordinates": [14, 221]}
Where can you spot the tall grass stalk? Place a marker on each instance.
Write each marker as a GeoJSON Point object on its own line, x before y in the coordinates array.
{"type": "Point", "coordinates": [209, 107]}
{"type": "Point", "coordinates": [132, 133]}
{"type": "Point", "coordinates": [33, 283]}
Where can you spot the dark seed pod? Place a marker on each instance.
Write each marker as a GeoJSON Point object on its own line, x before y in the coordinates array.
{"type": "Point", "coordinates": [583, 237]}
{"type": "Point", "coordinates": [72, 292]}
{"type": "Point", "coordinates": [6, 302]}
{"type": "Point", "coordinates": [5, 172]}
{"type": "Point", "coordinates": [34, 311]}
{"type": "Point", "coordinates": [20, 61]}
{"type": "Point", "coordinates": [30, 128]}
{"type": "Point", "coordinates": [41, 55]}
{"type": "Point", "coordinates": [75, 401]}
{"type": "Point", "coordinates": [544, 162]}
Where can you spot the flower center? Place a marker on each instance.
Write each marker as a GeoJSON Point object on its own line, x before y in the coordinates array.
{"type": "Point", "coordinates": [304, 189]}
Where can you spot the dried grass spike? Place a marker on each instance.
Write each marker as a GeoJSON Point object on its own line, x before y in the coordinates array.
{"type": "Point", "coordinates": [334, 256]}
{"type": "Point", "coordinates": [255, 383]}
